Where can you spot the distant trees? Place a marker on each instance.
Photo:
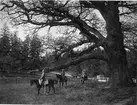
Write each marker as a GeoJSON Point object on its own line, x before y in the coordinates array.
{"type": "Point", "coordinates": [5, 45]}
{"type": "Point", "coordinates": [26, 53]}
{"type": "Point", "coordinates": [35, 51]}
{"type": "Point", "coordinates": [15, 51]}
{"type": "Point", "coordinates": [5, 48]}
{"type": "Point", "coordinates": [16, 54]}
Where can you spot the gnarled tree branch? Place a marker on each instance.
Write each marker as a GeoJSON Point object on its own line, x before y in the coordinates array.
{"type": "Point", "coordinates": [77, 61]}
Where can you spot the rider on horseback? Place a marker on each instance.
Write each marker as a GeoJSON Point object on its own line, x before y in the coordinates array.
{"type": "Point", "coordinates": [84, 73]}
{"type": "Point", "coordinates": [42, 78]}
{"type": "Point", "coordinates": [63, 73]}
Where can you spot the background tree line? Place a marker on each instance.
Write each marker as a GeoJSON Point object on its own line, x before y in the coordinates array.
{"type": "Point", "coordinates": [17, 55]}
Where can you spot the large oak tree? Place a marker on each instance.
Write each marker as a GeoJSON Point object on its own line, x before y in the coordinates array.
{"type": "Point", "coordinates": [76, 14]}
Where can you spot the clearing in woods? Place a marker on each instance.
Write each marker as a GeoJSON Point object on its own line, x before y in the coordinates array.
{"type": "Point", "coordinates": [18, 91]}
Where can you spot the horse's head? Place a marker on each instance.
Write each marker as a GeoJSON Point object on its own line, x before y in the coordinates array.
{"type": "Point", "coordinates": [31, 82]}
{"type": "Point", "coordinates": [58, 76]}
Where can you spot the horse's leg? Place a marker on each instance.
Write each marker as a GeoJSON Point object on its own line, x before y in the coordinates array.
{"type": "Point", "coordinates": [38, 90]}
{"type": "Point", "coordinates": [81, 80]}
{"type": "Point", "coordinates": [66, 82]}
{"type": "Point", "coordinates": [53, 88]}
{"type": "Point", "coordinates": [49, 87]}
{"type": "Point", "coordinates": [43, 89]}
{"type": "Point", "coordinates": [60, 84]}
{"type": "Point", "coordinates": [46, 89]}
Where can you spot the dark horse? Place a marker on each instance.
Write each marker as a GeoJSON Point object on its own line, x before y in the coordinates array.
{"type": "Point", "coordinates": [50, 84]}
{"type": "Point", "coordinates": [61, 79]}
{"type": "Point", "coordinates": [84, 78]}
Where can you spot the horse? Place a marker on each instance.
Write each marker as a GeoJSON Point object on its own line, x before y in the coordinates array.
{"type": "Point", "coordinates": [84, 78]}
{"type": "Point", "coordinates": [61, 79]}
{"type": "Point", "coordinates": [74, 76]}
{"type": "Point", "coordinates": [48, 83]}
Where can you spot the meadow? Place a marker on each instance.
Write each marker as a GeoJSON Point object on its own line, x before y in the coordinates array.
{"type": "Point", "coordinates": [15, 90]}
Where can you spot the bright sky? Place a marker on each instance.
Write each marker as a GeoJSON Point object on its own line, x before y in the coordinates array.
{"type": "Point", "coordinates": [22, 33]}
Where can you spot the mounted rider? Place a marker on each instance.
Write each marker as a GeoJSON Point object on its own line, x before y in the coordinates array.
{"type": "Point", "coordinates": [63, 73]}
{"type": "Point", "coordinates": [84, 74]}
{"type": "Point", "coordinates": [42, 78]}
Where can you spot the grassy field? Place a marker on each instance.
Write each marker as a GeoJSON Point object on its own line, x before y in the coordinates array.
{"type": "Point", "coordinates": [18, 91]}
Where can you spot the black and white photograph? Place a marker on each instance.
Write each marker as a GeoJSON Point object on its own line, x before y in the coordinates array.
{"type": "Point", "coordinates": [68, 52]}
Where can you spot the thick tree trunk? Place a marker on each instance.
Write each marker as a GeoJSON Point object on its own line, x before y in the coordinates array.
{"type": "Point", "coordinates": [115, 48]}
{"type": "Point", "coordinates": [120, 75]}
